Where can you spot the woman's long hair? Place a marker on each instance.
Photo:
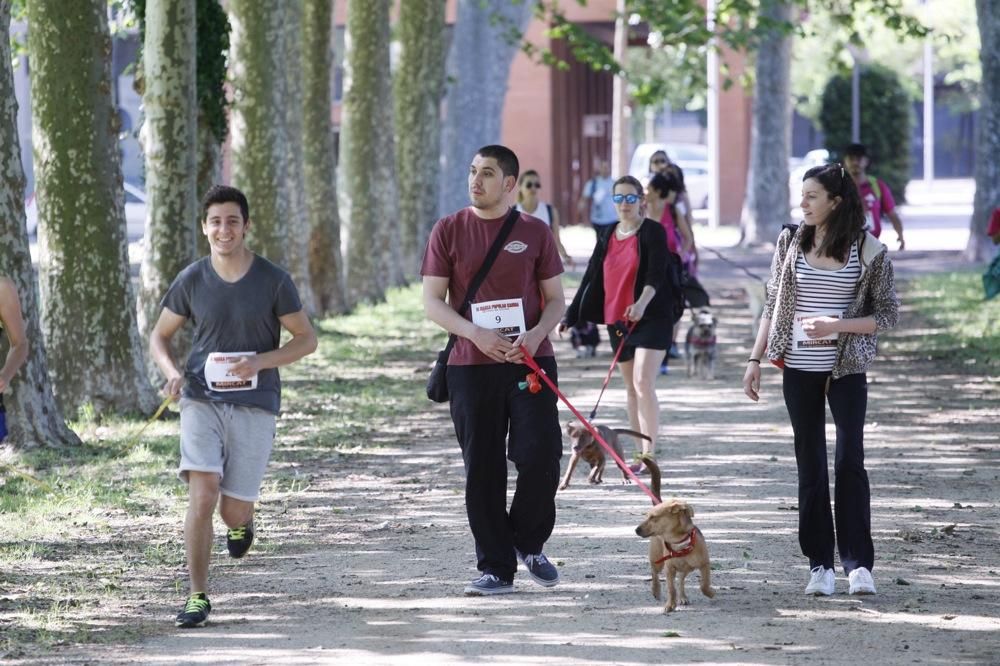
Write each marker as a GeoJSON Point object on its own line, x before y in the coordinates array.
{"type": "Point", "coordinates": [664, 184]}
{"type": "Point", "coordinates": [847, 219]}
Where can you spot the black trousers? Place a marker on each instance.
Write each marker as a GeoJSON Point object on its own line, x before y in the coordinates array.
{"type": "Point", "coordinates": [496, 420]}
{"type": "Point", "coordinates": [805, 398]}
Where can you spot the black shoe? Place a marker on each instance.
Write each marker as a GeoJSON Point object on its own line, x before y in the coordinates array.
{"type": "Point", "coordinates": [195, 613]}
{"type": "Point", "coordinates": [239, 539]}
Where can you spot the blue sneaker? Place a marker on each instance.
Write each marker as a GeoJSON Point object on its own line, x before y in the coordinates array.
{"type": "Point", "coordinates": [539, 568]}
{"type": "Point", "coordinates": [487, 585]}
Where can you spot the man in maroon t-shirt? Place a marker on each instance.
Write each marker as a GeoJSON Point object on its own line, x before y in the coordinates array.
{"type": "Point", "coordinates": [874, 192]}
{"type": "Point", "coordinates": [519, 303]}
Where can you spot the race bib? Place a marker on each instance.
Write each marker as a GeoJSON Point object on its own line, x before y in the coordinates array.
{"type": "Point", "coordinates": [218, 377]}
{"type": "Point", "coordinates": [505, 316]}
{"type": "Point", "coordinates": [803, 341]}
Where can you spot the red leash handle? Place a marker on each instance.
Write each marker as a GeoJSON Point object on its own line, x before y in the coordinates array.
{"type": "Point", "coordinates": [533, 364]}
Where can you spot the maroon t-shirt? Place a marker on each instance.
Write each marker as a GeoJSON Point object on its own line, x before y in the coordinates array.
{"type": "Point", "coordinates": [456, 249]}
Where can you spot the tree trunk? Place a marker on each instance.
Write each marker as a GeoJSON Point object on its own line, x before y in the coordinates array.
{"type": "Point", "coordinates": [418, 87]}
{"type": "Point", "coordinates": [767, 204]}
{"type": "Point", "coordinates": [212, 49]}
{"type": "Point", "coordinates": [257, 122]}
{"type": "Point", "coordinates": [367, 189]}
{"type": "Point", "coordinates": [297, 250]}
{"type": "Point", "coordinates": [209, 155]}
{"type": "Point", "coordinates": [88, 313]}
{"type": "Point", "coordinates": [34, 417]}
{"type": "Point", "coordinates": [326, 265]}
{"type": "Point", "coordinates": [169, 147]}
{"type": "Point", "coordinates": [987, 170]}
{"type": "Point", "coordinates": [477, 87]}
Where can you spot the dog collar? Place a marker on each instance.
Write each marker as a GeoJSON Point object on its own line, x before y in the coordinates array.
{"type": "Point", "coordinates": [671, 553]}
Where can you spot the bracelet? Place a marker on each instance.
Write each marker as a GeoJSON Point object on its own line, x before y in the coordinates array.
{"type": "Point", "coordinates": [753, 360]}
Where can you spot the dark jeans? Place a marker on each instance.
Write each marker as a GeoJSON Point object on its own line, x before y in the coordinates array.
{"type": "Point", "coordinates": [806, 403]}
{"type": "Point", "coordinates": [496, 420]}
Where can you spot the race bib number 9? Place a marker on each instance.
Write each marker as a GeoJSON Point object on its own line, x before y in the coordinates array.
{"type": "Point", "coordinates": [218, 377]}
{"type": "Point", "coordinates": [505, 316]}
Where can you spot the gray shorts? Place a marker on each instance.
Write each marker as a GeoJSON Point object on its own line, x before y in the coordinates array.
{"type": "Point", "coordinates": [233, 441]}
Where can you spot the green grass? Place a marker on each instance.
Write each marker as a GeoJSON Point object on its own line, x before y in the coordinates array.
{"type": "Point", "coordinates": [962, 326]}
{"type": "Point", "coordinates": [107, 531]}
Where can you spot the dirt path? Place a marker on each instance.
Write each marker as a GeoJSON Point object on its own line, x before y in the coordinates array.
{"type": "Point", "coordinates": [375, 551]}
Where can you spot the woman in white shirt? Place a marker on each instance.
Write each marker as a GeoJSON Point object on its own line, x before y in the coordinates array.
{"type": "Point", "coordinates": [529, 202]}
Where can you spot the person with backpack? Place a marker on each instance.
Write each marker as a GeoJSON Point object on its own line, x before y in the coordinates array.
{"type": "Point", "coordinates": [632, 281]}
{"type": "Point", "coordinates": [596, 200]}
{"type": "Point", "coordinates": [875, 194]}
{"type": "Point", "coordinates": [831, 293]}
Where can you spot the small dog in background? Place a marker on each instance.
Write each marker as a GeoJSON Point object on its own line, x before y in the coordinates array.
{"type": "Point", "coordinates": [587, 448]}
{"type": "Point", "coordinates": [584, 337]}
{"type": "Point", "coordinates": [676, 546]}
{"type": "Point", "coordinates": [699, 347]}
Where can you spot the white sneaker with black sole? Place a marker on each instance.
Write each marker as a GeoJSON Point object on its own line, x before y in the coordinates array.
{"type": "Point", "coordinates": [821, 582]}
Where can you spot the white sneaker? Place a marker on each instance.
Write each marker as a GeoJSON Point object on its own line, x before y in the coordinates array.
{"type": "Point", "coordinates": [820, 582]}
{"type": "Point", "coordinates": [861, 581]}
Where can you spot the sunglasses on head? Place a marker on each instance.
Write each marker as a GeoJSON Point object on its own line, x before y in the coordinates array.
{"type": "Point", "coordinates": [533, 186]}
{"type": "Point", "coordinates": [627, 198]}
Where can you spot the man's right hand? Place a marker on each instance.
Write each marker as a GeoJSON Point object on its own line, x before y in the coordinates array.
{"type": "Point", "coordinates": [492, 344]}
{"type": "Point", "coordinates": [172, 389]}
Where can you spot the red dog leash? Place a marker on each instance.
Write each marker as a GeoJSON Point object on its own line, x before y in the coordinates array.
{"type": "Point", "coordinates": [533, 364]}
{"type": "Point", "coordinates": [614, 362]}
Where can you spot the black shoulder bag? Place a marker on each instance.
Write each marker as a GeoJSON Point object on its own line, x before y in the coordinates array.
{"type": "Point", "coordinates": [437, 383]}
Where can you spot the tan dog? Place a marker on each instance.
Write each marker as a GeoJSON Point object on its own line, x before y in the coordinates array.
{"type": "Point", "coordinates": [587, 448]}
{"type": "Point", "coordinates": [675, 544]}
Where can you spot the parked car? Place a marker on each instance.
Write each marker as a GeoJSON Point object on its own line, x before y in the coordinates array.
{"type": "Point", "coordinates": [797, 168]}
{"type": "Point", "coordinates": [135, 212]}
{"type": "Point", "coordinates": [692, 158]}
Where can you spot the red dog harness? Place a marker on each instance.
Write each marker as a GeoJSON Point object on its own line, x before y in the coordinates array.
{"type": "Point", "coordinates": [671, 553]}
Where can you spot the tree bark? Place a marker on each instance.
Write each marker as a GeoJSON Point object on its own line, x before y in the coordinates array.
{"type": "Point", "coordinates": [418, 88]}
{"type": "Point", "coordinates": [169, 146]}
{"type": "Point", "coordinates": [987, 169]}
{"type": "Point", "coordinates": [767, 204]}
{"type": "Point", "coordinates": [88, 313]}
{"type": "Point", "coordinates": [257, 122]}
{"type": "Point", "coordinates": [209, 156]}
{"type": "Point", "coordinates": [34, 418]}
{"type": "Point", "coordinates": [367, 189]}
{"type": "Point", "coordinates": [326, 264]}
{"type": "Point", "coordinates": [293, 89]}
{"type": "Point", "coordinates": [477, 88]}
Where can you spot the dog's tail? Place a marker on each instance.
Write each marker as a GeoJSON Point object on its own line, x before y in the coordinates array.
{"type": "Point", "coordinates": [633, 433]}
{"type": "Point", "coordinates": [654, 474]}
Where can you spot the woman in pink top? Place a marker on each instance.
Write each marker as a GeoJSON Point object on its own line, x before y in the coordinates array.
{"type": "Point", "coordinates": [625, 284]}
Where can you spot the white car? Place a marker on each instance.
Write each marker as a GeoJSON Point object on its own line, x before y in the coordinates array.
{"type": "Point", "coordinates": [797, 168]}
{"type": "Point", "coordinates": [135, 212]}
{"type": "Point", "coordinates": [692, 158]}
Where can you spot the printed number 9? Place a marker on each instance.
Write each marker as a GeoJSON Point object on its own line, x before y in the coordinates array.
{"type": "Point", "coordinates": [499, 319]}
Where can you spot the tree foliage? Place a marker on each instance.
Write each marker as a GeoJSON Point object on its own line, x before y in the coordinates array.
{"type": "Point", "coordinates": [681, 25]}
{"type": "Point", "coordinates": [886, 122]}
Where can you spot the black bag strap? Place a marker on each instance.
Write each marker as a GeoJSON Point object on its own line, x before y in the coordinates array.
{"type": "Point", "coordinates": [477, 281]}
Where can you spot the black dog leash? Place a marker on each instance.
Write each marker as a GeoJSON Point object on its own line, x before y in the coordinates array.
{"type": "Point", "coordinates": [614, 362]}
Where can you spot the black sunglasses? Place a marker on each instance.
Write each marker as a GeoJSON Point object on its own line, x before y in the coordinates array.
{"type": "Point", "coordinates": [659, 160]}
{"type": "Point", "coordinates": [533, 186]}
